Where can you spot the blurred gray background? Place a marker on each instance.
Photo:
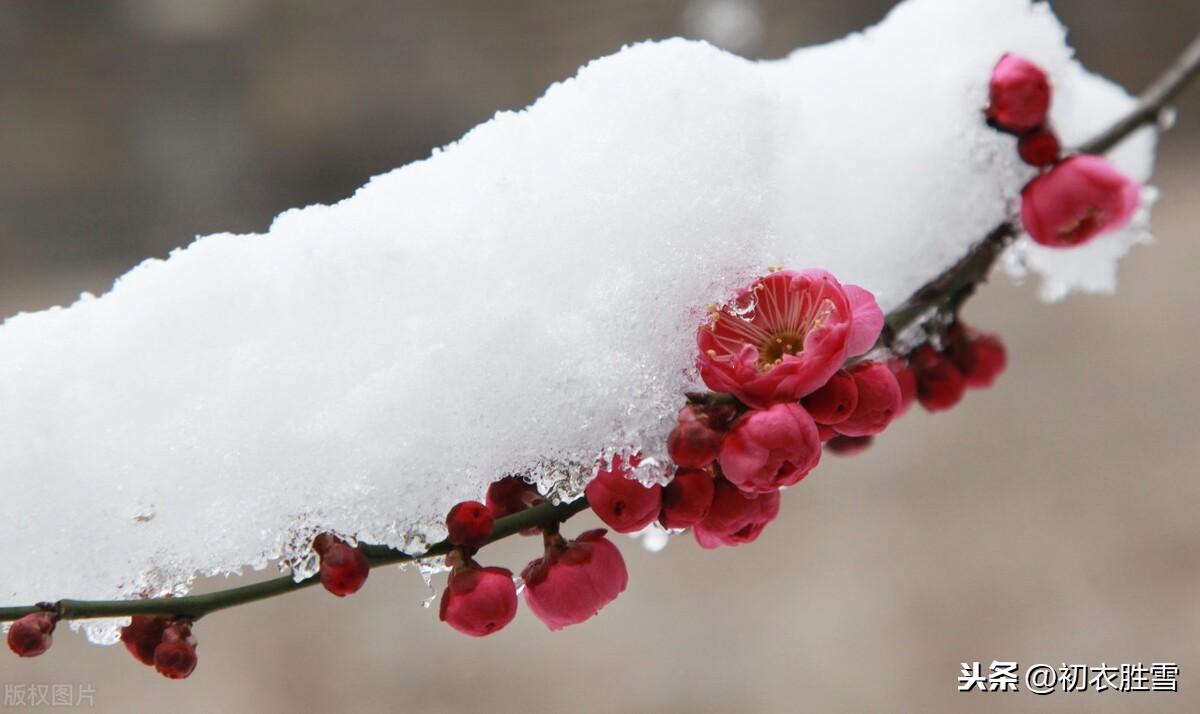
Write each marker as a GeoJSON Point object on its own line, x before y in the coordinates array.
{"type": "Point", "coordinates": [1051, 519]}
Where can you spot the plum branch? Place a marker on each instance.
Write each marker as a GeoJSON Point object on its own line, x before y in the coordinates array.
{"type": "Point", "coordinates": [193, 607]}
{"type": "Point", "coordinates": [954, 285]}
{"type": "Point", "coordinates": [945, 292]}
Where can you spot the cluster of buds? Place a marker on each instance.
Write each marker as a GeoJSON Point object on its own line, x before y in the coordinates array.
{"type": "Point", "coordinates": [1073, 199]}
{"type": "Point", "coordinates": [569, 583]}
{"type": "Point", "coordinates": [344, 568]}
{"type": "Point", "coordinates": [777, 354]}
{"type": "Point", "coordinates": [968, 360]}
{"type": "Point", "coordinates": [162, 642]}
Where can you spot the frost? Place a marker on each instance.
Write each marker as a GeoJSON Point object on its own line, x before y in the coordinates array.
{"type": "Point", "coordinates": [519, 303]}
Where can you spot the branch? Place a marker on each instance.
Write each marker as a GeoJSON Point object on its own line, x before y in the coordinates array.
{"type": "Point", "coordinates": [946, 291]}
{"type": "Point", "coordinates": [1152, 101]}
{"type": "Point", "coordinates": [949, 289]}
{"type": "Point", "coordinates": [196, 606]}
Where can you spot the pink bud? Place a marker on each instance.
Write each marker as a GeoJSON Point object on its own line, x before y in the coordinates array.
{"type": "Point", "coordinates": [343, 569]}
{"type": "Point", "coordinates": [573, 581]}
{"type": "Point", "coordinates": [143, 635]}
{"type": "Point", "coordinates": [1039, 147]}
{"type": "Point", "coordinates": [1077, 200]}
{"type": "Point", "coordinates": [879, 400]}
{"type": "Point", "coordinates": [735, 517]}
{"type": "Point", "coordinates": [469, 524]}
{"type": "Point", "coordinates": [175, 656]}
{"type": "Point", "coordinates": [693, 443]}
{"type": "Point", "coordinates": [32, 635]}
{"type": "Point", "coordinates": [686, 499]}
{"type": "Point", "coordinates": [770, 448]}
{"type": "Point", "coordinates": [623, 503]}
{"type": "Point", "coordinates": [835, 401]}
{"type": "Point", "coordinates": [479, 601]}
{"type": "Point", "coordinates": [1020, 94]}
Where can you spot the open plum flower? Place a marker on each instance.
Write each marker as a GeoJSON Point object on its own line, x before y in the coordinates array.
{"type": "Point", "coordinates": [785, 336]}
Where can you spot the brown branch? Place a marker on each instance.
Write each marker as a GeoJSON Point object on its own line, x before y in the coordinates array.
{"type": "Point", "coordinates": [949, 289]}
{"type": "Point", "coordinates": [1152, 102]}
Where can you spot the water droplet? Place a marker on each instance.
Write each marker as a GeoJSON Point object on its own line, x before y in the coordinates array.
{"type": "Point", "coordinates": [654, 538]}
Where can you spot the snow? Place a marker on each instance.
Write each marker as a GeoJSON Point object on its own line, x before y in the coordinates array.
{"type": "Point", "coordinates": [520, 302]}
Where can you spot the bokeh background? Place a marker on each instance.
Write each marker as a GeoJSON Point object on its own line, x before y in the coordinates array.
{"type": "Point", "coordinates": [1050, 519]}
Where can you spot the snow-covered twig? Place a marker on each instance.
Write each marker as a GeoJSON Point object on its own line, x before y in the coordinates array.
{"type": "Point", "coordinates": [193, 607]}
{"type": "Point", "coordinates": [956, 284]}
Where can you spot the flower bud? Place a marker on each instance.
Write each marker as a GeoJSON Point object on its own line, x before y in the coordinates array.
{"type": "Point", "coordinates": [510, 495]}
{"type": "Point", "coordinates": [835, 401]}
{"type": "Point", "coordinates": [143, 635]}
{"type": "Point", "coordinates": [469, 524]}
{"type": "Point", "coordinates": [1019, 94]}
{"type": "Point", "coordinates": [770, 448]}
{"type": "Point", "coordinates": [33, 634]}
{"type": "Point", "coordinates": [686, 499]}
{"type": "Point", "coordinates": [175, 656]}
{"type": "Point", "coordinates": [939, 383]}
{"type": "Point", "coordinates": [735, 517]}
{"type": "Point", "coordinates": [1039, 147]}
{"type": "Point", "coordinates": [624, 504]}
{"type": "Point", "coordinates": [1077, 200]}
{"type": "Point", "coordinates": [980, 357]}
{"type": "Point", "coordinates": [879, 400]}
{"type": "Point", "coordinates": [479, 601]}
{"type": "Point", "coordinates": [693, 443]}
{"type": "Point", "coordinates": [343, 569]}
{"type": "Point", "coordinates": [574, 580]}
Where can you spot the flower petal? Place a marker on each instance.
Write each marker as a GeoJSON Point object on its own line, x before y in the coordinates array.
{"type": "Point", "coordinates": [866, 320]}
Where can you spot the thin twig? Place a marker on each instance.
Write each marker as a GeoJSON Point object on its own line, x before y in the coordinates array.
{"type": "Point", "coordinates": [196, 606]}
{"type": "Point", "coordinates": [1152, 101]}
{"type": "Point", "coordinates": [973, 268]}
